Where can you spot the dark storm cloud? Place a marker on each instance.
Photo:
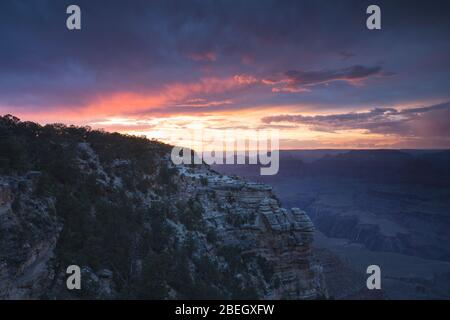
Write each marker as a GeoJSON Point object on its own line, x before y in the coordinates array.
{"type": "Point", "coordinates": [294, 79]}
{"type": "Point", "coordinates": [431, 121]}
{"type": "Point", "coordinates": [300, 78]}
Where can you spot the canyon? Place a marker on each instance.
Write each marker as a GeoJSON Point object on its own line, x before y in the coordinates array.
{"type": "Point", "coordinates": [384, 207]}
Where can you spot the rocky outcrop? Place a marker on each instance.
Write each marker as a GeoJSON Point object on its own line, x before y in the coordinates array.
{"type": "Point", "coordinates": [273, 244]}
{"type": "Point", "coordinates": [250, 216]}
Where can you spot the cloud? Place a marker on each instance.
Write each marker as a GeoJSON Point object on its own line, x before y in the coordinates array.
{"type": "Point", "coordinates": [204, 103]}
{"type": "Point", "coordinates": [203, 56]}
{"type": "Point", "coordinates": [425, 122]}
{"type": "Point", "coordinates": [245, 79]}
{"type": "Point", "coordinates": [346, 54]}
{"type": "Point", "coordinates": [147, 45]}
{"type": "Point", "coordinates": [299, 81]}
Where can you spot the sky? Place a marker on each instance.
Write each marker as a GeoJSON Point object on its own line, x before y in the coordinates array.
{"type": "Point", "coordinates": [309, 69]}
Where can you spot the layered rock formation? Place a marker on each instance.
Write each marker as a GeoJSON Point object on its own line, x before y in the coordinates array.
{"type": "Point", "coordinates": [249, 215]}
{"type": "Point", "coordinates": [245, 215]}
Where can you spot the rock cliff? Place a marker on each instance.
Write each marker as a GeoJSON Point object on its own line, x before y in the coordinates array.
{"type": "Point", "coordinates": [248, 215]}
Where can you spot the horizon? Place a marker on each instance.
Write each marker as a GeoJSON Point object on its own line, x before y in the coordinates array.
{"type": "Point", "coordinates": [246, 150]}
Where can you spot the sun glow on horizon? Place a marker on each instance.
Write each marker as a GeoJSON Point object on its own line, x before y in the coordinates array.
{"type": "Point", "coordinates": [163, 126]}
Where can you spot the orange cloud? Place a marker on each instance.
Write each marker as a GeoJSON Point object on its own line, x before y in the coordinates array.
{"type": "Point", "coordinates": [194, 94]}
